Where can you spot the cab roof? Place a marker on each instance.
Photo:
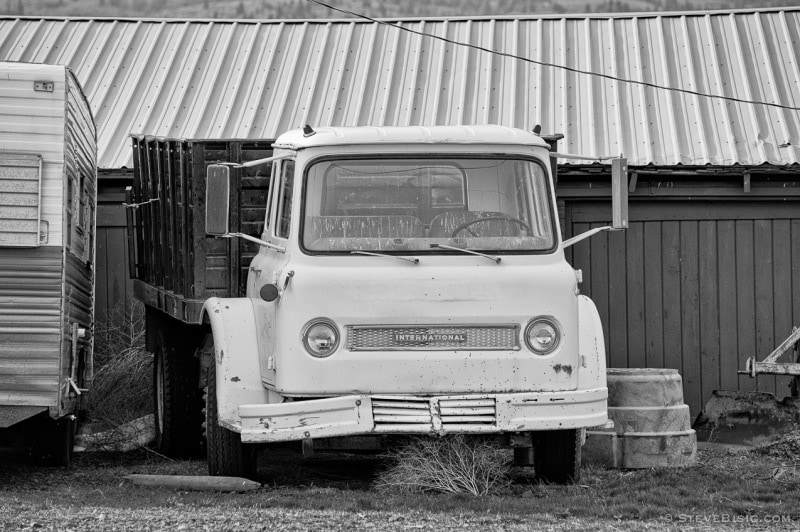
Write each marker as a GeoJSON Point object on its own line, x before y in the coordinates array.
{"type": "Point", "coordinates": [368, 135]}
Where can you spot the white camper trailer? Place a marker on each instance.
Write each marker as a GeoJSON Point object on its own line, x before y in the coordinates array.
{"type": "Point", "coordinates": [48, 175]}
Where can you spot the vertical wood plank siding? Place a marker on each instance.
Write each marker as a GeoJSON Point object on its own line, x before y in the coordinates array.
{"type": "Point", "coordinates": [114, 286]}
{"type": "Point", "coordinates": [694, 285]}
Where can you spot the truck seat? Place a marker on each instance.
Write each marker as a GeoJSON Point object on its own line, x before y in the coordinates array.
{"type": "Point", "coordinates": [395, 226]}
{"type": "Point", "coordinates": [443, 225]}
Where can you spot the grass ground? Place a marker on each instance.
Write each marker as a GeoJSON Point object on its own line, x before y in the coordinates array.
{"type": "Point", "coordinates": [724, 491]}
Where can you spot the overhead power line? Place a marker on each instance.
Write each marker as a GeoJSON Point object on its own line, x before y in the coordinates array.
{"type": "Point", "coordinates": [553, 65]}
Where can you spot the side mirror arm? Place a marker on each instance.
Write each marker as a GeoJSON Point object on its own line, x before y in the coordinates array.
{"type": "Point", "coordinates": [591, 232]}
{"type": "Point", "coordinates": [619, 202]}
{"type": "Point", "coordinates": [255, 240]}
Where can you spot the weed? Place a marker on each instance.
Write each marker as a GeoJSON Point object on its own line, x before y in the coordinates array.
{"type": "Point", "coordinates": [123, 369]}
{"type": "Point", "coordinates": [455, 464]}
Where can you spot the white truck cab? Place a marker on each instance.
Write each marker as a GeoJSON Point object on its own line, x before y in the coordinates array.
{"type": "Point", "coordinates": [410, 280]}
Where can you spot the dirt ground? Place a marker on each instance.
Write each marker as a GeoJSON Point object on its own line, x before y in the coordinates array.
{"type": "Point", "coordinates": [724, 491]}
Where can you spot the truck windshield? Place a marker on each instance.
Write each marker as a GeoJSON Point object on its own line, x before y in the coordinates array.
{"type": "Point", "coordinates": [402, 205]}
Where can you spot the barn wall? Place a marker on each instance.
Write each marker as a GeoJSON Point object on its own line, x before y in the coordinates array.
{"type": "Point", "coordinates": [706, 276]}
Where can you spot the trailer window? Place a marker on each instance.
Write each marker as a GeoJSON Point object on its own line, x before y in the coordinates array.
{"type": "Point", "coordinates": [414, 204]}
{"type": "Point", "coordinates": [80, 205]}
{"type": "Point", "coordinates": [20, 186]}
{"type": "Point", "coordinates": [70, 207]}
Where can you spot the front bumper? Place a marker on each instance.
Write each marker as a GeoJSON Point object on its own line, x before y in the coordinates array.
{"type": "Point", "coordinates": [405, 414]}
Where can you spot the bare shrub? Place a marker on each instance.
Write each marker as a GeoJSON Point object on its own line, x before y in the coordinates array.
{"type": "Point", "coordinates": [123, 369]}
{"type": "Point", "coordinates": [454, 464]}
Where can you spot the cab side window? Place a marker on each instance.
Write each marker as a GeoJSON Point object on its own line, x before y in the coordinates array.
{"type": "Point", "coordinates": [268, 219]}
{"type": "Point", "coordinates": [285, 199]}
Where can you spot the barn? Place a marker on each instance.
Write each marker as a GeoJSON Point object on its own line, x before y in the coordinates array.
{"type": "Point", "coordinates": [704, 105]}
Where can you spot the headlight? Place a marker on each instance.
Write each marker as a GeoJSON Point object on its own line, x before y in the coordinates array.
{"type": "Point", "coordinates": [542, 335]}
{"type": "Point", "coordinates": [320, 337]}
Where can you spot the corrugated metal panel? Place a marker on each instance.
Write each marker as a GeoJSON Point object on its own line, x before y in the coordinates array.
{"type": "Point", "coordinates": [30, 325]}
{"type": "Point", "coordinates": [206, 79]}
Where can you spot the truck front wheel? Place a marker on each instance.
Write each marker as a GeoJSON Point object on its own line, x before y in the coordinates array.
{"type": "Point", "coordinates": [226, 454]}
{"type": "Point", "coordinates": [557, 456]}
{"type": "Point", "coordinates": [178, 407]}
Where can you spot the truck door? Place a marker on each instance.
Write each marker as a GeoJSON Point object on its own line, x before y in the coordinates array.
{"type": "Point", "coordinates": [269, 265]}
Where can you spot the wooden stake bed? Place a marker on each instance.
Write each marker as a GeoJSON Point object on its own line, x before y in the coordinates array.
{"type": "Point", "coordinates": [176, 266]}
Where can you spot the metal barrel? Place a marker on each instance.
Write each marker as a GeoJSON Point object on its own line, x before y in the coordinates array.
{"type": "Point", "coordinates": [652, 426]}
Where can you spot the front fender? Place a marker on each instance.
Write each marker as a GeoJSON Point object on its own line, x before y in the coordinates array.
{"type": "Point", "coordinates": [236, 354]}
{"type": "Point", "coordinates": [591, 345]}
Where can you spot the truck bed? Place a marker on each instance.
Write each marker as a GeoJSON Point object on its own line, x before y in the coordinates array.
{"type": "Point", "coordinates": [174, 264]}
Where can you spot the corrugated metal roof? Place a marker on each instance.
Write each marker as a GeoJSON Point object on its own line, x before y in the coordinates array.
{"type": "Point", "coordinates": [245, 79]}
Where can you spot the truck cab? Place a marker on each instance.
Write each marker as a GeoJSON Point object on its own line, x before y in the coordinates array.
{"type": "Point", "coordinates": [409, 280]}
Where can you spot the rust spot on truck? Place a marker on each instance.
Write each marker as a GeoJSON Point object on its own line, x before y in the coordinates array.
{"type": "Point", "coordinates": [306, 421]}
{"type": "Point", "coordinates": [566, 368]}
{"type": "Point", "coordinates": [235, 379]}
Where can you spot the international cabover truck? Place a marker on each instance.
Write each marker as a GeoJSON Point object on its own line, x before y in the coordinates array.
{"type": "Point", "coordinates": [357, 283]}
{"type": "Point", "coordinates": [48, 160]}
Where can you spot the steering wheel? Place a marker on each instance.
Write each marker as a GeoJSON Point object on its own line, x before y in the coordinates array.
{"type": "Point", "coordinates": [523, 224]}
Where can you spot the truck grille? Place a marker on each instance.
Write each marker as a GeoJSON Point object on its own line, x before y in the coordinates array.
{"type": "Point", "coordinates": [432, 412]}
{"type": "Point", "coordinates": [432, 337]}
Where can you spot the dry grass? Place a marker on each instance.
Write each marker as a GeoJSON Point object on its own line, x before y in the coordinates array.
{"type": "Point", "coordinates": [455, 464]}
{"type": "Point", "coordinates": [123, 368]}
{"type": "Point", "coordinates": [724, 491]}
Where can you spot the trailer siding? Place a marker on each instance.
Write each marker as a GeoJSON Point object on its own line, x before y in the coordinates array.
{"type": "Point", "coordinates": [80, 159]}
{"type": "Point", "coordinates": [46, 291]}
{"type": "Point", "coordinates": [33, 123]}
{"type": "Point", "coordinates": [30, 325]}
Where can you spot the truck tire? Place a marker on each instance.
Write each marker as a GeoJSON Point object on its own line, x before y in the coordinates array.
{"type": "Point", "coordinates": [225, 452]}
{"type": "Point", "coordinates": [177, 397]}
{"type": "Point", "coordinates": [557, 456]}
{"type": "Point", "coordinates": [52, 441]}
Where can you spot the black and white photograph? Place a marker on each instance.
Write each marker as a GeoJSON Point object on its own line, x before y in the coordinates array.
{"type": "Point", "coordinates": [356, 265]}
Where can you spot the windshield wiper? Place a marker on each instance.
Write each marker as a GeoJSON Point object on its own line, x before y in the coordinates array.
{"type": "Point", "coordinates": [471, 252]}
{"type": "Point", "coordinates": [385, 255]}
